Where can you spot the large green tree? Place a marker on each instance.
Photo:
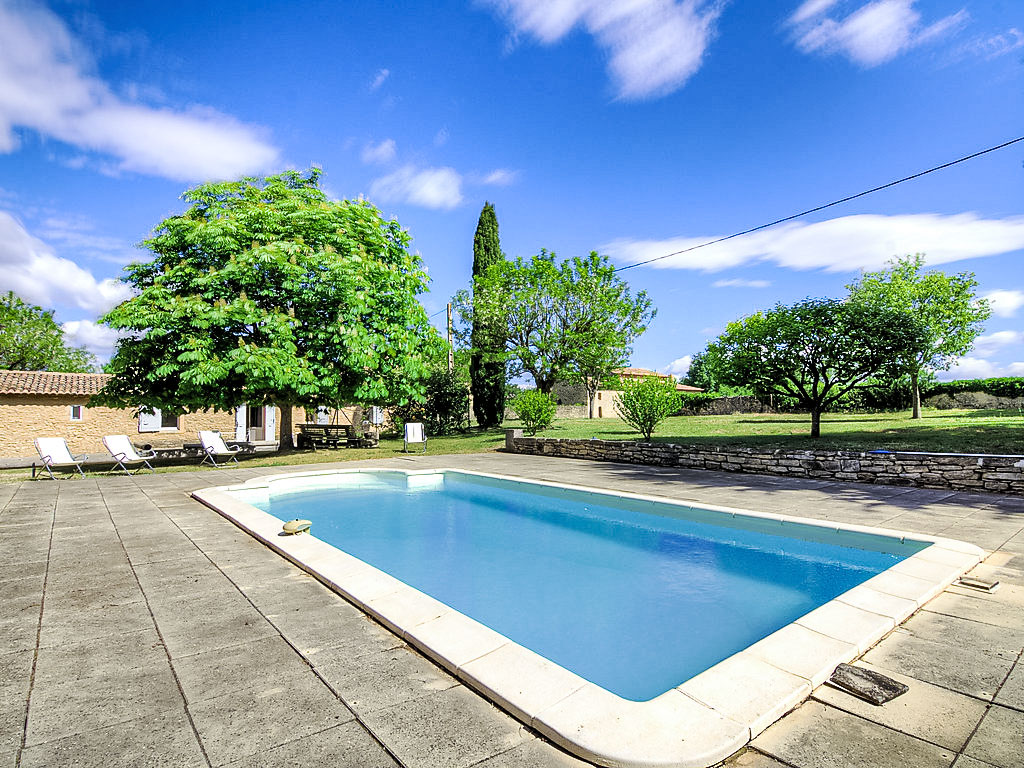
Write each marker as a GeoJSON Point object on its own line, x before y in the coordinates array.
{"type": "Point", "coordinates": [574, 319]}
{"type": "Point", "coordinates": [815, 351]}
{"type": "Point", "coordinates": [947, 305]}
{"type": "Point", "coordinates": [31, 340]}
{"type": "Point", "coordinates": [265, 291]}
{"type": "Point", "coordinates": [487, 374]}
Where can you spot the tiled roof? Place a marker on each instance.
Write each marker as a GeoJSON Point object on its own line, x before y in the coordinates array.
{"type": "Point", "coordinates": [51, 383]}
{"type": "Point", "coordinates": [638, 372]}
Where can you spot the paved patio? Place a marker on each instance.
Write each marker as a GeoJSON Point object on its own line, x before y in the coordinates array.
{"type": "Point", "coordinates": [141, 629]}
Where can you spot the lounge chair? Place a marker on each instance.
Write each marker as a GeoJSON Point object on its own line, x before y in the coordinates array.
{"type": "Point", "coordinates": [124, 453]}
{"type": "Point", "coordinates": [214, 447]}
{"type": "Point", "coordinates": [54, 452]}
{"type": "Point", "coordinates": [414, 434]}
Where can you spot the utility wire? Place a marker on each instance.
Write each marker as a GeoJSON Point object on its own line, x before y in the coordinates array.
{"type": "Point", "coordinates": [826, 205]}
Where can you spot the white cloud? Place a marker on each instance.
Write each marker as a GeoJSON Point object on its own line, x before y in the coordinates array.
{"type": "Point", "coordinates": [98, 339]}
{"type": "Point", "coordinates": [437, 188]}
{"type": "Point", "coordinates": [47, 85]}
{"type": "Point", "coordinates": [384, 152]}
{"type": "Point", "coordinates": [741, 283]}
{"type": "Point", "coordinates": [501, 177]}
{"type": "Point", "coordinates": [379, 78]}
{"type": "Point", "coordinates": [678, 367]}
{"type": "Point", "coordinates": [31, 269]}
{"type": "Point", "coordinates": [994, 46]}
{"type": "Point", "coordinates": [873, 34]}
{"type": "Point", "coordinates": [989, 344]}
{"type": "Point", "coordinates": [845, 244]}
{"type": "Point", "coordinates": [441, 137]}
{"type": "Point", "coordinates": [1005, 303]}
{"type": "Point", "coordinates": [977, 368]}
{"type": "Point", "coordinates": [653, 46]}
{"type": "Point", "coordinates": [78, 234]}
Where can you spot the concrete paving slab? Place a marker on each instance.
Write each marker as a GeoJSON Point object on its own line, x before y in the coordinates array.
{"type": "Point", "coordinates": [820, 736]}
{"type": "Point", "coordinates": [535, 753]}
{"type": "Point", "coordinates": [966, 761]}
{"type": "Point", "coordinates": [1004, 608]}
{"type": "Point", "coordinates": [195, 626]}
{"type": "Point", "coordinates": [227, 670]}
{"type": "Point", "coordinates": [371, 682]}
{"type": "Point", "coordinates": [343, 746]}
{"type": "Point", "coordinates": [65, 625]}
{"type": "Point", "coordinates": [151, 742]}
{"type": "Point", "coordinates": [965, 670]}
{"type": "Point", "coordinates": [454, 728]}
{"type": "Point", "coordinates": [1012, 692]}
{"type": "Point", "coordinates": [325, 633]}
{"type": "Point", "coordinates": [966, 633]}
{"type": "Point", "coordinates": [246, 722]}
{"type": "Point", "coordinates": [750, 758]}
{"type": "Point", "coordinates": [925, 711]}
{"type": "Point", "coordinates": [999, 739]}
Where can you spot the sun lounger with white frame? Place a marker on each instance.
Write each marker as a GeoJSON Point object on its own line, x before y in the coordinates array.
{"type": "Point", "coordinates": [414, 435]}
{"type": "Point", "coordinates": [214, 448]}
{"type": "Point", "coordinates": [126, 455]}
{"type": "Point", "coordinates": [55, 453]}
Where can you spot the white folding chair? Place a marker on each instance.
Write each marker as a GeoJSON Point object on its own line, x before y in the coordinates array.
{"type": "Point", "coordinates": [54, 452]}
{"type": "Point", "coordinates": [214, 446]}
{"type": "Point", "coordinates": [415, 434]}
{"type": "Point", "coordinates": [125, 454]}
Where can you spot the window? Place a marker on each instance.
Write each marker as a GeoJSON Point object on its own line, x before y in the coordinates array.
{"type": "Point", "coordinates": [168, 421]}
{"type": "Point", "coordinates": [77, 412]}
{"type": "Point", "coordinates": [157, 421]}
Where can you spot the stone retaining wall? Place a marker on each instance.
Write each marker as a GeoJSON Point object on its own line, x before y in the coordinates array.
{"type": "Point", "coordinates": [958, 472]}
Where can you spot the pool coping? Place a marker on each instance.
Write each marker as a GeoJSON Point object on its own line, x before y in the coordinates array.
{"type": "Point", "coordinates": [696, 724]}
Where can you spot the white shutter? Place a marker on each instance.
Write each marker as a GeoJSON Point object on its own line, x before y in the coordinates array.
{"type": "Point", "coordinates": [240, 426]}
{"type": "Point", "coordinates": [269, 423]}
{"type": "Point", "coordinates": [323, 416]}
{"type": "Point", "coordinates": [149, 422]}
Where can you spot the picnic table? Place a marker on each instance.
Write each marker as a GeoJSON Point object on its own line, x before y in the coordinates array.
{"type": "Point", "coordinates": [325, 435]}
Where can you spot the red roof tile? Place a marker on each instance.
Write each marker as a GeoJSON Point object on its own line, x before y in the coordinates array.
{"type": "Point", "coordinates": [51, 383]}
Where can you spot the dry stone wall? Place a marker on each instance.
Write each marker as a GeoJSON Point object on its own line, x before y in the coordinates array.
{"type": "Point", "coordinates": [999, 474]}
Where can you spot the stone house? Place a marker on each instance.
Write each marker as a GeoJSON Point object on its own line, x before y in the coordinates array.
{"type": "Point", "coordinates": [605, 399]}
{"type": "Point", "coordinates": [48, 404]}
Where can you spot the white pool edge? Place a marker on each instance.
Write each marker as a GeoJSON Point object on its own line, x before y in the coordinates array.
{"type": "Point", "coordinates": [694, 725]}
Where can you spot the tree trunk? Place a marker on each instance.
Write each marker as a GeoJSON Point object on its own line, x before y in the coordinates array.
{"type": "Point", "coordinates": [286, 427]}
{"type": "Point", "coordinates": [815, 423]}
{"type": "Point", "coordinates": [591, 396]}
{"type": "Point", "coordinates": [916, 386]}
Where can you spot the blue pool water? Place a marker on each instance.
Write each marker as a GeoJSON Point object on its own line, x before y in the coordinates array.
{"type": "Point", "coordinates": [632, 601]}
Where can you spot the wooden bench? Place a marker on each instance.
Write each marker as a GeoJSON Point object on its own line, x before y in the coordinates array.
{"type": "Point", "coordinates": [325, 435]}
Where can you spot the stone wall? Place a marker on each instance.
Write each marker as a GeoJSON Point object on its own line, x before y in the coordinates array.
{"type": "Point", "coordinates": [23, 417]}
{"type": "Point", "coordinates": [1000, 474]}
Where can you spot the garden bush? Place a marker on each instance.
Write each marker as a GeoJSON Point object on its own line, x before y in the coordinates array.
{"type": "Point", "coordinates": [645, 403]}
{"type": "Point", "coordinates": [535, 409]}
{"type": "Point", "coordinates": [446, 409]}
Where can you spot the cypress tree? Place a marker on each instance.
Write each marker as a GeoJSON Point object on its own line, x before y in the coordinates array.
{"type": "Point", "coordinates": [487, 363]}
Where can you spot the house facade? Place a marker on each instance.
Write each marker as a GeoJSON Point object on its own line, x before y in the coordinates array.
{"type": "Point", "coordinates": [48, 404]}
{"type": "Point", "coordinates": [605, 400]}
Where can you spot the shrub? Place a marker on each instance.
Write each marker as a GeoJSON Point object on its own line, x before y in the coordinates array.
{"type": "Point", "coordinates": [1006, 386]}
{"type": "Point", "coordinates": [645, 403]}
{"type": "Point", "coordinates": [695, 402]}
{"type": "Point", "coordinates": [535, 409]}
{"type": "Point", "coordinates": [446, 409]}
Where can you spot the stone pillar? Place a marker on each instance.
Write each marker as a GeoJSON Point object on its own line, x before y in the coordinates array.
{"type": "Point", "coordinates": [510, 439]}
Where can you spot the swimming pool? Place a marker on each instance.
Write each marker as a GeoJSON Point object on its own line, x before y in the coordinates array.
{"type": "Point", "coordinates": [608, 621]}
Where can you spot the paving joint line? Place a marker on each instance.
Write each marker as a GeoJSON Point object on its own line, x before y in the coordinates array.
{"type": "Point", "coordinates": [160, 636]}
{"type": "Point", "coordinates": [355, 715]}
{"type": "Point", "coordinates": [39, 630]}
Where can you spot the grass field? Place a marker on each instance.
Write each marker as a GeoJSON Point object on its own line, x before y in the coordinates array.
{"type": "Point", "coordinates": [939, 431]}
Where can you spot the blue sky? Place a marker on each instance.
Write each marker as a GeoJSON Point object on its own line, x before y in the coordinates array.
{"type": "Point", "coordinates": [631, 127]}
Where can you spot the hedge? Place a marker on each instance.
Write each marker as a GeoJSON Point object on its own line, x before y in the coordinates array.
{"type": "Point", "coordinates": [1006, 386]}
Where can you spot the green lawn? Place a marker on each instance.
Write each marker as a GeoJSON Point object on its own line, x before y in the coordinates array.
{"type": "Point", "coordinates": [940, 431]}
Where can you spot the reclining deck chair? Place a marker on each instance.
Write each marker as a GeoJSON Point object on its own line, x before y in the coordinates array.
{"type": "Point", "coordinates": [54, 452]}
{"type": "Point", "coordinates": [414, 434]}
{"type": "Point", "coordinates": [214, 447]}
{"type": "Point", "coordinates": [124, 453]}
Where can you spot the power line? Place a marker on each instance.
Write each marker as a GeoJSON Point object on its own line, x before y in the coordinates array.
{"type": "Point", "coordinates": [826, 205]}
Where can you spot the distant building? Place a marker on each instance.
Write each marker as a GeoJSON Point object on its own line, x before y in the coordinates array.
{"type": "Point", "coordinates": [605, 399]}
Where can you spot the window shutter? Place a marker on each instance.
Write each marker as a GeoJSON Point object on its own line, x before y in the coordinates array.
{"type": "Point", "coordinates": [269, 423]}
{"type": "Point", "coordinates": [149, 422]}
{"type": "Point", "coordinates": [240, 425]}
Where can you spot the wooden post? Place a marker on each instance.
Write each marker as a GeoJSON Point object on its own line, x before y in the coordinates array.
{"type": "Point", "coordinates": [451, 348]}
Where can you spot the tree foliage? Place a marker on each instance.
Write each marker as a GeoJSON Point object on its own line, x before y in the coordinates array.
{"type": "Point", "coordinates": [946, 305]}
{"type": "Point", "coordinates": [535, 409]}
{"type": "Point", "coordinates": [817, 350]}
{"type": "Point", "coordinates": [566, 320]}
{"type": "Point", "coordinates": [487, 362]}
{"type": "Point", "coordinates": [645, 403]}
{"type": "Point", "coordinates": [445, 409]}
{"type": "Point", "coordinates": [265, 291]}
{"type": "Point", "coordinates": [31, 340]}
